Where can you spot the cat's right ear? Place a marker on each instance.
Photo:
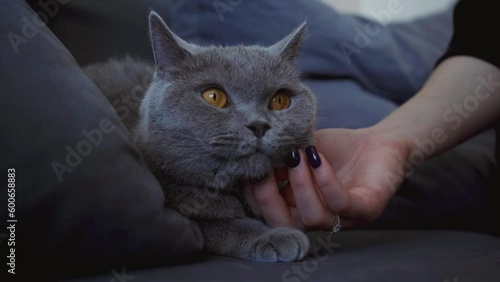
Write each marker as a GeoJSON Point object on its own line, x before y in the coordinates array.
{"type": "Point", "coordinates": [168, 49]}
{"type": "Point", "coordinates": [289, 46]}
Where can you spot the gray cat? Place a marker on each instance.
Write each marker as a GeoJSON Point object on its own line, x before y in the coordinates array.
{"type": "Point", "coordinates": [212, 118]}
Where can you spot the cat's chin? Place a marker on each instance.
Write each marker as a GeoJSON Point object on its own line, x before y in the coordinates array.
{"type": "Point", "coordinates": [256, 166]}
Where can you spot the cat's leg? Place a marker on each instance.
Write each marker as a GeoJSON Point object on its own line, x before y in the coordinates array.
{"type": "Point", "coordinates": [251, 239]}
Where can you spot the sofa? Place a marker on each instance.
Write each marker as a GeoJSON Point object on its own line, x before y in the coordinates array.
{"type": "Point", "coordinates": [87, 208]}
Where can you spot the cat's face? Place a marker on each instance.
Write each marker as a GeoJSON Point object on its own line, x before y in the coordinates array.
{"type": "Point", "coordinates": [215, 115]}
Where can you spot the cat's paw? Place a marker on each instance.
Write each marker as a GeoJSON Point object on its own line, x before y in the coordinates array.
{"type": "Point", "coordinates": [281, 245]}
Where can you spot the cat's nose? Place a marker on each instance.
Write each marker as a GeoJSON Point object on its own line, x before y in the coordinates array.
{"type": "Point", "coordinates": [258, 128]}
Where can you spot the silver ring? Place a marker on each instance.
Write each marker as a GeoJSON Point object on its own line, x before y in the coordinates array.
{"type": "Point", "coordinates": [335, 227]}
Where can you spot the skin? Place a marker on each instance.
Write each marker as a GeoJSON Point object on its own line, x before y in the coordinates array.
{"type": "Point", "coordinates": [362, 169]}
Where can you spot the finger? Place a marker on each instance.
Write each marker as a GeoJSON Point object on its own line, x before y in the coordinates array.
{"type": "Point", "coordinates": [296, 220]}
{"type": "Point", "coordinates": [250, 199]}
{"type": "Point", "coordinates": [311, 210]}
{"type": "Point", "coordinates": [367, 204]}
{"type": "Point", "coordinates": [287, 194]}
{"type": "Point", "coordinates": [336, 196]}
{"type": "Point", "coordinates": [282, 174]}
{"type": "Point", "coordinates": [271, 204]}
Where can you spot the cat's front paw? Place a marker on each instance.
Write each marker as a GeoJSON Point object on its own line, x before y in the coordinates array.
{"type": "Point", "coordinates": [281, 245]}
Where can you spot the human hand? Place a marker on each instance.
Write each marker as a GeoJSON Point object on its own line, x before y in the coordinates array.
{"type": "Point", "coordinates": [354, 176]}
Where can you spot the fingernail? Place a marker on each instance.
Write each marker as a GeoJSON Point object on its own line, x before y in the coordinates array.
{"type": "Point", "coordinates": [292, 159]}
{"type": "Point", "coordinates": [313, 157]}
{"type": "Point", "coordinates": [260, 178]}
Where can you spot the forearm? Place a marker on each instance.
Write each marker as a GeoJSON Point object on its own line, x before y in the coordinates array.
{"type": "Point", "coordinates": [461, 98]}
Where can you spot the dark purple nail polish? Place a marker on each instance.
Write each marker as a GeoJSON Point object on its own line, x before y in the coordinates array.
{"type": "Point", "coordinates": [292, 159]}
{"type": "Point", "coordinates": [313, 157]}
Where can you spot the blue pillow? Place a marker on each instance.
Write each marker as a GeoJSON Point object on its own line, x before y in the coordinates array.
{"type": "Point", "coordinates": [390, 61]}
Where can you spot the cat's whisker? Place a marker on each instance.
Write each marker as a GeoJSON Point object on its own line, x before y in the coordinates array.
{"type": "Point", "coordinates": [223, 140]}
{"type": "Point", "coordinates": [189, 141]}
{"type": "Point", "coordinates": [294, 140]}
{"type": "Point", "coordinates": [220, 144]}
{"type": "Point", "coordinates": [185, 146]}
{"type": "Point", "coordinates": [301, 142]}
{"type": "Point", "coordinates": [225, 137]}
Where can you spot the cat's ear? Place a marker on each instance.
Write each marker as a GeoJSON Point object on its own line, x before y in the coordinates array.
{"type": "Point", "coordinates": [289, 46]}
{"type": "Point", "coordinates": [168, 49]}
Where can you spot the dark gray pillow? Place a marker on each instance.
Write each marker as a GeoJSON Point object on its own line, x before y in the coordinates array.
{"type": "Point", "coordinates": [84, 200]}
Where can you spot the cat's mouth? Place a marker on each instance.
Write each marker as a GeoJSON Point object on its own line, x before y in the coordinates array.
{"type": "Point", "coordinates": [248, 150]}
{"type": "Point", "coordinates": [254, 151]}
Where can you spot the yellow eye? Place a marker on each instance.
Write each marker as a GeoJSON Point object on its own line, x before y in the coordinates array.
{"type": "Point", "coordinates": [215, 97]}
{"type": "Point", "coordinates": [280, 101]}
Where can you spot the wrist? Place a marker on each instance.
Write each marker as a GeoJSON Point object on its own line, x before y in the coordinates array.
{"type": "Point", "coordinates": [392, 132]}
{"type": "Point", "coordinates": [399, 139]}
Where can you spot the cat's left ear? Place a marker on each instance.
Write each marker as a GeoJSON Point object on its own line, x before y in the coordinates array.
{"type": "Point", "coordinates": [169, 49]}
{"type": "Point", "coordinates": [289, 46]}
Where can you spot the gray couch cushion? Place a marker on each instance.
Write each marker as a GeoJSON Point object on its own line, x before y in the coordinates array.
{"type": "Point", "coordinates": [410, 256]}
{"type": "Point", "coordinates": [84, 198]}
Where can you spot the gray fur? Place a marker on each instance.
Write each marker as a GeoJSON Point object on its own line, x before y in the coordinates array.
{"type": "Point", "coordinates": [124, 82]}
{"type": "Point", "coordinates": [201, 154]}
